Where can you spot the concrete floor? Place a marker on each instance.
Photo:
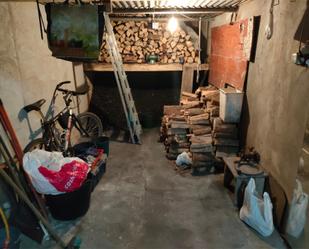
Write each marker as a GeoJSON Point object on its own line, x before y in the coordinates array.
{"type": "Point", "coordinates": [141, 202]}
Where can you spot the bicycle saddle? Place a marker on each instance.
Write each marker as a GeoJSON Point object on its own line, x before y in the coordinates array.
{"type": "Point", "coordinates": [36, 106]}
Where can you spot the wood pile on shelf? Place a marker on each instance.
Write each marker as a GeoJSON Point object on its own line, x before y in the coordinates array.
{"type": "Point", "coordinates": [136, 41]}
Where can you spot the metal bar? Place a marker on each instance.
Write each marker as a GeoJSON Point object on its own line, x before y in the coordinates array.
{"type": "Point", "coordinates": [176, 11]}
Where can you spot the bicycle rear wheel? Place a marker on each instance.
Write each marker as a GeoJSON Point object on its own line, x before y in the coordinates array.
{"type": "Point", "coordinates": [35, 144]}
{"type": "Point", "coordinates": [91, 127]}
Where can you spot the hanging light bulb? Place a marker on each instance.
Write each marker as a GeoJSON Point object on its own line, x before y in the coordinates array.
{"type": "Point", "coordinates": [172, 24]}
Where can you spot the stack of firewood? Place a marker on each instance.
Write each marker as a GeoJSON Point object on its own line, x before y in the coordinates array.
{"type": "Point", "coordinates": [225, 136]}
{"type": "Point", "coordinates": [136, 41]}
{"type": "Point", "coordinates": [197, 118]}
{"type": "Point", "coordinates": [202, 150]}
{"type": "Point", "coordinates": [210, 97]}
{"type": "Point", "coordinates": [200, 132]}
{"type": "Point", "coordinates": [190, 119]}
{"type": "Point", "coordinates": [174, 129]}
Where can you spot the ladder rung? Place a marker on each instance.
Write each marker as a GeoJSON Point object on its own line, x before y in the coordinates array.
{"type": "Point", "coordinates": [122, 83]}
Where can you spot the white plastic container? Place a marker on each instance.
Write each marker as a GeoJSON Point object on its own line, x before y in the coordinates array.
{"type": "Point", "coordinates": [230, 104]}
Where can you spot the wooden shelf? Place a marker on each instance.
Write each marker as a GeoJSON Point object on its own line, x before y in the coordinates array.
{"type": "Point", "coordinates": [103, 67]}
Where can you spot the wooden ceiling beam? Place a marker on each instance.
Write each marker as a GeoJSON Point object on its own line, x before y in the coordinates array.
{"type": "Point", "coordinates": [103, 67]}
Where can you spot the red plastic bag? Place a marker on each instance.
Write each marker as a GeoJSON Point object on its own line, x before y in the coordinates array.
{"type": "Point", "coordinates": [69, 178]}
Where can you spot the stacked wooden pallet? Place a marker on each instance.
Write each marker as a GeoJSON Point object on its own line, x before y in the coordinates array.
{"type": "Point", "coordinates": [225, 136]}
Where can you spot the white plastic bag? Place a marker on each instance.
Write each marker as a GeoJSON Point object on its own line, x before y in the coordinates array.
{"type": "Point", "coordinates": [183, 159]}
{"type": "Point", "coordinates": [257, 212]}
{"type": "Point", "coordinates": [52, 164]}
{"type": "Point", "coordinates": [297, 213]}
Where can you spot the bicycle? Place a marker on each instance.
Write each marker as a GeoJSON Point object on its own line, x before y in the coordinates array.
{"type": "Point", "coordinates": [56, 131]}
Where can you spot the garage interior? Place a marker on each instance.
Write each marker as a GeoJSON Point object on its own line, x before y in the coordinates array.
{"type": "Point", "coordinates": [194, 104]}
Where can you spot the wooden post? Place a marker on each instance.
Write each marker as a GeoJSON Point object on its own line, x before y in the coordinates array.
{"type": "Point", "coordinates": [187, 79]}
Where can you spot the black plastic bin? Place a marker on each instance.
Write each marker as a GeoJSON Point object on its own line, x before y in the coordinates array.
{"type": "Point", "coordinates": [70, 206]}
{"type": "Point", "coordinates": [99, 142]}
{"type": "Point", "coordinates": [95, 178]}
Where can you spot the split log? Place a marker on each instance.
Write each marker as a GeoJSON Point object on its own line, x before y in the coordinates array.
{"type": "Point", "coordinates": [187, 94]}
{"type": "Point", "coordinates": [226, 142]}
{"type": "Point", "coordinates": [179, 124]}
{"type": "Point", "coordinates": [201, 140]}
{"type": "Point", "coordinates": [204, 157]}
{"type": "Point", "coordinates": [202, 131]}
{"type": "Point", "coordinates": [191, 104]}
{"type": "Point", "coordinates": [174, 131]}
{"type": "Point", "coordinates": [172, 110]}
{"type": "Point", "coordinates": [194, 111]}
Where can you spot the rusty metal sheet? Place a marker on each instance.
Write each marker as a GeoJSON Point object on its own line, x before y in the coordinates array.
{"type": "Point", "coordinates": [230, 52]}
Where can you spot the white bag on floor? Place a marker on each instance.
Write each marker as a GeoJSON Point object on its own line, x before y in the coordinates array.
{"type": "Point", "coordinates": [183, 159]}
{"type": "Point", "coordinates": [257, 212]}
{"type": "Point", "coordinates": [297, 213]}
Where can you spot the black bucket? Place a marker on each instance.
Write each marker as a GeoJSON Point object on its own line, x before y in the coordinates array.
{"type": "Point", "coordinates": [70, 206]}
{"type": "Point", "coordinates": [102, 142]}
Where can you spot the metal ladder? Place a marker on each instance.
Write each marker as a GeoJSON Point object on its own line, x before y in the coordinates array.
{"type": "Point", "coordinates": [122, 83]}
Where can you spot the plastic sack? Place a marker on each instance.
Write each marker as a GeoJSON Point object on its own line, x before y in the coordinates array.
{"type": "Point", "coordinates": [53, 174]}
{"type": "Point", "coordinates": [183, 159]}
{"type": "Point", "coordinates": [257, 212]}
{"type": "Point", "coordinates": [297, 213]}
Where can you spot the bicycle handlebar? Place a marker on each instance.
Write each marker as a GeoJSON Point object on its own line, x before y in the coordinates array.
{"type": "Point", "coordinates": [74, 93]}
{"type": "Point", "coordinates": [62, 83]}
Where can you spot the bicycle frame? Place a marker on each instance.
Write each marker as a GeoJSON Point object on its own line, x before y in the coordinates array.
{"type": "Point", "coordinates": [53, 142]}
{"type": "Point", "coordinates": [53, 137]}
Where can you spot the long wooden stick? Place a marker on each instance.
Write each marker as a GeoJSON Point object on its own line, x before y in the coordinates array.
{"type": "Point", "coordinates": [6, 123]}
{"type": "Point", "coordinates": [36, 212]}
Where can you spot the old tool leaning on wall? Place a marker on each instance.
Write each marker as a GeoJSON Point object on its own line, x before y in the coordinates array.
{"type": "Point", "coordinates": [8, 128]}
{"type": "Point", "coordinates": [36, 212]}
{"type": "Point", "coordinates": [18, 187]}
